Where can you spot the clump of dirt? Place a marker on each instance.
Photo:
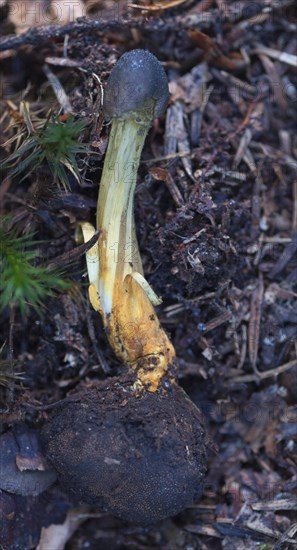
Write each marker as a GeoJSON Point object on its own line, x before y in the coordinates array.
{"type": "Point", "coordinates": [140, 456]}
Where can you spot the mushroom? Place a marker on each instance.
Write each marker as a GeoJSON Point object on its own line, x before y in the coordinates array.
{"type": "Point", "coordinates": [133, 445]}
{"type": "Point", "coordinates": [136, 93]}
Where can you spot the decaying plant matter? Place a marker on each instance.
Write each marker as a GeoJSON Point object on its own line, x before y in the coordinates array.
{"type": "Point", "coordinates": [134, 445]}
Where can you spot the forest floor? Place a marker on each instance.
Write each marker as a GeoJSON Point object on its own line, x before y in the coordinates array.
{"type": "Point", "coordinates": [216, 218]}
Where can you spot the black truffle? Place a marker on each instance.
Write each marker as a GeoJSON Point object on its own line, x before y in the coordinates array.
{"type": "Point", "coordinates": [142, 458]}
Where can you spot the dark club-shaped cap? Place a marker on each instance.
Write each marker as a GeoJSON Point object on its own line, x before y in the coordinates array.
{"type": "Point", "coordinates": [137, 84]}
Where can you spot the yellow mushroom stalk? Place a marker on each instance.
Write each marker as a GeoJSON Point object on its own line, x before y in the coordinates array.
{"type": "Point", "coordinates": [134, 445]}
{"type": "Point", "coordinates": [136, 93]}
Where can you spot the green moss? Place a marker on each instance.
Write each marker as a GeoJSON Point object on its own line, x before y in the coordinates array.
{"type": "Point", "coordinates": [23, 283]}
{"type": "Point", "coordinates": [54, 144]}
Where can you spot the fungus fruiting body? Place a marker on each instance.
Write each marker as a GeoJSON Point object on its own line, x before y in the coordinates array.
{"type": "Point", "coordinates": [135, 445]}
{"type": "Point", "coordinates": [140, 457]}
{"type": "Point", "coordinates": [136, 93]}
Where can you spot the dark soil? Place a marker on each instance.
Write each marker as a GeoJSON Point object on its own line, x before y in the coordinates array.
{"type": "Point", "coordinates": [216, 217]}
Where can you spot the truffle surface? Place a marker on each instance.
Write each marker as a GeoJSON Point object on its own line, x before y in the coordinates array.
{"type": "Point", "coordinates": [142, 458]}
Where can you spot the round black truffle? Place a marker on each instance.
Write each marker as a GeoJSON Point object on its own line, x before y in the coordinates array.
{"type": "Point", "coordinates": [142, 458]}
{"type": "Point", "coordinates": [137, 79]}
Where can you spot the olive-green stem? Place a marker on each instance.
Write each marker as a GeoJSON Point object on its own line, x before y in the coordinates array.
{"type": "Point", "coordinates": [119, 254]}
{"type": "Point", "coordinates": [117, 287]}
